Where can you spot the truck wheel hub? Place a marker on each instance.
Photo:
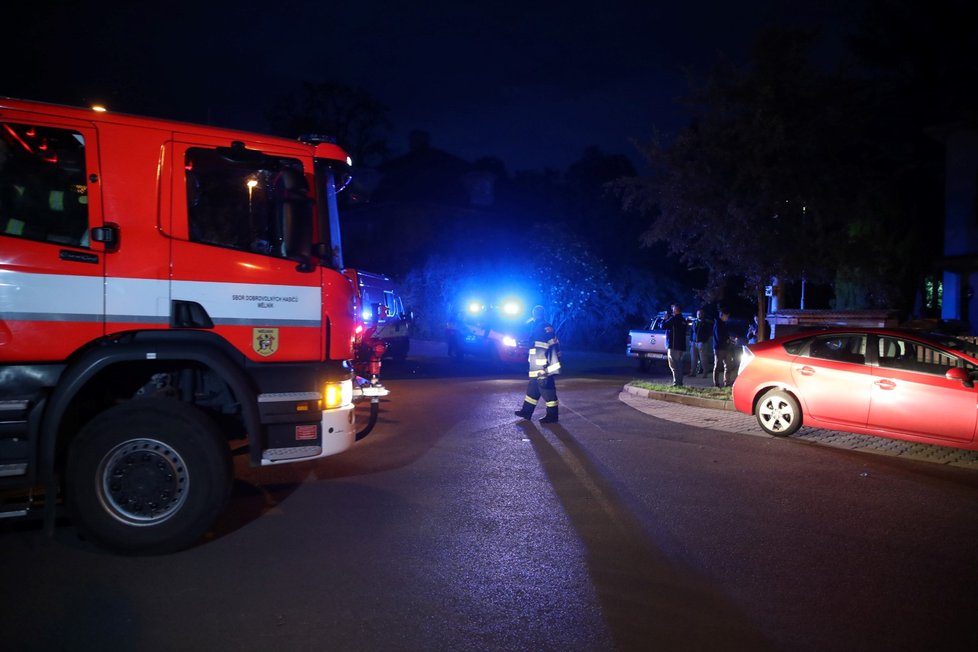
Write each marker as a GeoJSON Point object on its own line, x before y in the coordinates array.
{"type": "Point", "coordinates": [143, 482]}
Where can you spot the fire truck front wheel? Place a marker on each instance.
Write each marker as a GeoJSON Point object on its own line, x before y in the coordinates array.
{"type": "Point", "coordinates": [149, 476]}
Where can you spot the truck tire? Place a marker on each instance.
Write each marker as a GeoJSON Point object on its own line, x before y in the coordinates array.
{"type": "Point", "coordinates": [147, 477]}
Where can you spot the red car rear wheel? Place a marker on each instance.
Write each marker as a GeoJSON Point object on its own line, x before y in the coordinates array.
{"type": "Point", "coordinates": [778, 413]}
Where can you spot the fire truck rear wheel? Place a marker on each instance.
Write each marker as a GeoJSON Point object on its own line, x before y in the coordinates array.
{"type": "Point", "coordinates": [149, 476]}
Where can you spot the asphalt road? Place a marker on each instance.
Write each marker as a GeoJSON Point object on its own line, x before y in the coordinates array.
{"type": "Point", "coordinates": [457, 526]}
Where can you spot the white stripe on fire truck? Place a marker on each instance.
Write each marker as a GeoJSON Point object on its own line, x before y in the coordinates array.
{"type": "Point", "coordinates": [56, 297]}
{"type": "Point", "coordinates": [248, 303]}
{"type": "Point", "coordinates": [46, 295]}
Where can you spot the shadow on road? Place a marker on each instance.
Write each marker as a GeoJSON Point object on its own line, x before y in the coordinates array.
{"type": "Point", "coordinates": [650, 601]}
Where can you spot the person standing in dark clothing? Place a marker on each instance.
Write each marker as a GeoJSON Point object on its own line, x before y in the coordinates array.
{"type": "Point", "coordinates": [757, 334]}
{"type": "Point", "coordinates": [544, 360]}
{"type": "Point", "coordinates": [675, 327]}
{"type": "Point", "coordinates": [724, 349]}
{"type": "Point", "coordinates": [701, 348]}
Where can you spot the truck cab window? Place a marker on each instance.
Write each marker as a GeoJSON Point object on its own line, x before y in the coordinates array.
{"type": "Point", "coordinates": [43, 190]}
{"type": "Point", "coordinates": [259, 204]}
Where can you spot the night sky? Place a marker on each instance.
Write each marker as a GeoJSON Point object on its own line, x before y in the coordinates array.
{"type": "Point", "coordinates": [532, 83]}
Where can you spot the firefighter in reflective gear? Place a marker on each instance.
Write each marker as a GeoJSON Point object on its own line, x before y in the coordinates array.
{"type": "Point", "coordinates": [544, 362]}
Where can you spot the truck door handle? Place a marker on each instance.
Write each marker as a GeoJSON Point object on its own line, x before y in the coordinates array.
{"type": "Point", "coordinates": [885, 384]}
{"type": "Point", "coordinates": [78, 256]}
{"type": "Point", "coordinates": [806, 371]}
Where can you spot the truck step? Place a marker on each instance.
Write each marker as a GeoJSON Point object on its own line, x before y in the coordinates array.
{"type": "Point", "coordinates": [10, 470]}
{"type": "Point", "coordinates": [272, 455]}
{"type": "Point", "coordinates": [18, 504]}
{"type": "Point", "coordinates": [14, 511]}
{"type": "Point", "coordinates": [13, 419]}
{"type": "Point", "coordinates": [14, 410]}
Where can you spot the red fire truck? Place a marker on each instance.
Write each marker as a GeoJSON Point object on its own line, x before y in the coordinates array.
{"type": "Point", "coordinates": [170, 294]}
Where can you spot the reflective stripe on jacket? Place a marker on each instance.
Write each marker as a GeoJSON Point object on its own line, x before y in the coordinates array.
{"type": "Point", "coordinates": [544, 356]}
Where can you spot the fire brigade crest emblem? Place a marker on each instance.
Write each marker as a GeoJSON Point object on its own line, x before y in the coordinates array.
{"type": "Point", "coordinates": [265, 341]}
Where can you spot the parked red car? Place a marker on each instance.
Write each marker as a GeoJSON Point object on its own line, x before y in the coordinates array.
{"type": "Point", "coordinates": [889, 383]}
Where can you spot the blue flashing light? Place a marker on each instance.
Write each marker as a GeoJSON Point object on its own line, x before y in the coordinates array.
{"type": "Point", "coordinates": [475, 307]}
{"type": "Point", "coordinates": [512, 308]}
{"type": "Point", "coordinates": [367, 314]}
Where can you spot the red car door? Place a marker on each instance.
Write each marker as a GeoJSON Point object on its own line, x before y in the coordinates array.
{"type": "Point", "coordinates": [911, 395]}
{"type": "Point", "coordinates": [833, 380]}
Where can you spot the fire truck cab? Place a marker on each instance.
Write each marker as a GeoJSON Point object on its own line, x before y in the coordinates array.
{"type": "Point", "coordinates": [168, 295]}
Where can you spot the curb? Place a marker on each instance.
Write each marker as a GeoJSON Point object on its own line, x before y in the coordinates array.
{"type": "Point", "coordinates": [695, 401]}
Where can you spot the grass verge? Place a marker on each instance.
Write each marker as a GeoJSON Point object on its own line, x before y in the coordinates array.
{"type": "Point", "coordinates": [722, 393]}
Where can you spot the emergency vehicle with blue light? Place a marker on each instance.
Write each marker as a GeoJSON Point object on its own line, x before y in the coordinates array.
{"type": "Point", "coordinates": [169, 295]}
{"type": "Point", "coordinates": [494, 331]}
{"type": "Point", "coordinates": [381, 312]}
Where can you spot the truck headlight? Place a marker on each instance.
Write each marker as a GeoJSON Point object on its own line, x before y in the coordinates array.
{"type": "Point", "coordinates": [509, 341]}
{"type": "Point", "coordinates": [338, 394]}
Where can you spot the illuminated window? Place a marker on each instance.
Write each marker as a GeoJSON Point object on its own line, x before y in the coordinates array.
{"type": "Point", "coordinates": [933, 293]}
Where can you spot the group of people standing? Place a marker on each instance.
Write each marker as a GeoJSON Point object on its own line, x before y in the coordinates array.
{"type": "Point", "coordinates": [712, 347]}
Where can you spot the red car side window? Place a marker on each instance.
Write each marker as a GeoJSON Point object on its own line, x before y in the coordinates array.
{"type": "Point", "coordinates": [840, 348]}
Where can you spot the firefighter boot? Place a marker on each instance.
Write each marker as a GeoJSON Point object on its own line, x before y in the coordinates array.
{"type": "Point", "coordinates": [551, 415]}
{"type": "Point", "coordinates": [526, 411]}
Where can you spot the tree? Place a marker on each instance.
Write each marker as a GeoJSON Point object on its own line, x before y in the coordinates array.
{"type": "Point", "coordinates": [778, 175]}
{"type": "Point", "coordinates": [575, 288]}
{"type": "Point", "coordinates": [593, 212]}
{"type": "Point", "coordinates": [349, 114]}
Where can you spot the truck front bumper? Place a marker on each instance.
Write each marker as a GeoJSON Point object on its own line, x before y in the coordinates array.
{"type": "Point", "coordinates": [337, 434]}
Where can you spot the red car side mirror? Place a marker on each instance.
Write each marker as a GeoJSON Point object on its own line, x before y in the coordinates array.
{"type": "Point", "coordinates": [960, 375]}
